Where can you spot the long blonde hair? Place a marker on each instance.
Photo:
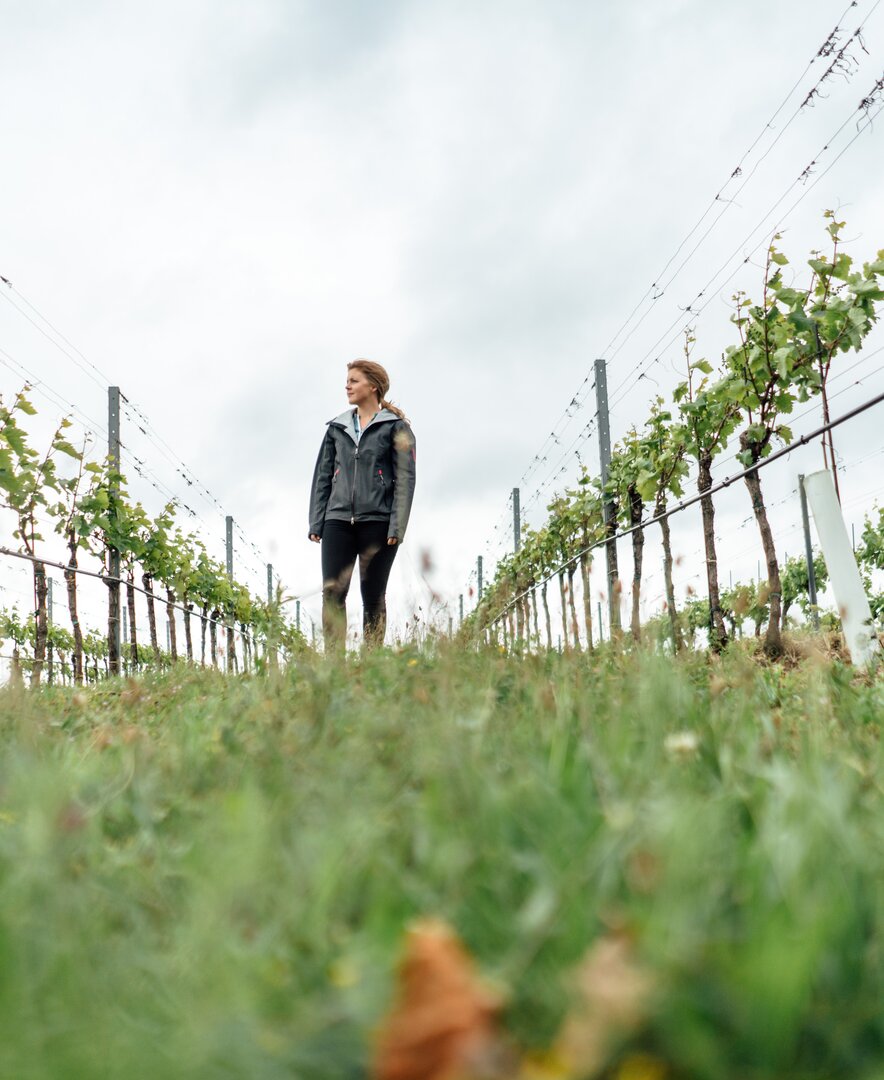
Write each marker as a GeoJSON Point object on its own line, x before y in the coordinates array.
{"type": "Point", "coordinates": [380, 380]}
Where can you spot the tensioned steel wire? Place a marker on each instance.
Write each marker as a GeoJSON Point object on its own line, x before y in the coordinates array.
{"type": "Point", "coordinates": [84, 364]}
{"type": "Point", "coordinates": [90, 427]}
{"type": "Point", "coordinates": [802, 177]}
{"type": "Point", "coordinates": [828, 48]}
{"type": "Point", "coordinates": [137, 416]}
{"type": "Point", "coordinates": [109, 579]}
{"type": "Point", "coordinates": [840, 57]}
{"type": "Point", "coordinates": [692, 500]}
{"type": "Point", "coordinates": [694, 312]}
{"type": "Point", "coordinates": [622, 390]}
{"type": "Point", "coordinates": [641, 369]}
{"type": "Point", "coordinates": [74, 413]}
{"type": "Point", "coordinates": [558, 471]}
{"type": "Point", "coordinates": [844, 466]}
{"type": "Point", "coordinates": [725, 459]}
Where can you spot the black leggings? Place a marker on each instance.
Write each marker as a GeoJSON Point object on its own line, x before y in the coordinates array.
{"type": "Point", "coordinates": [342, 544]}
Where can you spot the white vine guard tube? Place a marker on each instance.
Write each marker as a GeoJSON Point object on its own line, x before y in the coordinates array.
{"type": "Point", "coordinates": [850, 596]}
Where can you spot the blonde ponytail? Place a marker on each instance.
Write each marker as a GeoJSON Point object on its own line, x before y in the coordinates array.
{"type": "Point", "coordinates": [393, 409]}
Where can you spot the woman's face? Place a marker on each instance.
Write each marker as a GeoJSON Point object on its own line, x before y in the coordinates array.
{"type": "Point", "coordinates": [359, 390]}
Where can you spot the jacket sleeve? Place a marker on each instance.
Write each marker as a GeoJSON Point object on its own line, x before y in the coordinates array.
{"type": "Point", "coordinates": [322, 484]}
{"type": "Point", "coordinates": [404, 461]}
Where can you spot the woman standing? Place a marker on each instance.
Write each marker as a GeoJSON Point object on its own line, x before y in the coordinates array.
{"type": "Point", "coordinates": [363, 486]}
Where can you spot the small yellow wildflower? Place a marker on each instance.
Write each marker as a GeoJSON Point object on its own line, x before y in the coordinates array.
{"type": "Point", "coordinates": [343, 973]}
{"type": "Point", "coordinates": [641, 1067]}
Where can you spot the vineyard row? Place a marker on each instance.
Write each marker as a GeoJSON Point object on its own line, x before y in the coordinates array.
{"type": "Point", "coordinates": [786, 346]}
{"type": "Point", "coordinates": [86, 504]}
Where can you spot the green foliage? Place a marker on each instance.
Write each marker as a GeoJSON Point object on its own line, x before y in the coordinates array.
{"type": "Point", "coordinates": [626, 469]}
{"type": "Point", "coordinates": [13, 629]}
{"type": "Point", "coordinates": [92, 511]}
{"type": "Point", "coordinates": [708, 412]}
{"type": "Point", "coordinates": [870, 554]}
{"type": "Point", "coordinates": [156, 553]}
{"type": "Point", "coordinates": [663, 466]}
{"type": "Point", "coordinates": [787, 344]}
{"type": "Point", "coordinates": [796, 583]}
{"type": "Point", "coordinates": [94, 645]}
{"type": "Point", "coordinates": [789, 340]}
{"type": "Point", "coordinates": [744, 602]}
{"type": "Point", "coordinates": [183, 572]}
{"type": "Point", "coordinates": [870, 557]}
{"type": "Point", "coordinates": [26, 478]}
{"type": "Point", "coordinates": [61, 638]}
{"type": "Point", "coordinates": [228, 867]}
{"type": "Point", "coordinates": [696, 614]}
{"type": "Point", "coordinates": [105, 518]}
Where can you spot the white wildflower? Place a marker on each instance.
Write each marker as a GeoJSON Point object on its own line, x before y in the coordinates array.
{"type": "Point", "coordinates": [682, 744]}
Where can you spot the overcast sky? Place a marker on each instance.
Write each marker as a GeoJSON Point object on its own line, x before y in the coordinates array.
{"type": "Point", "coordinates": [219, 204]}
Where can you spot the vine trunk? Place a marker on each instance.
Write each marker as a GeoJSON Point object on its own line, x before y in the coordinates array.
{"type": "Point", "coordinates": [717, 629]}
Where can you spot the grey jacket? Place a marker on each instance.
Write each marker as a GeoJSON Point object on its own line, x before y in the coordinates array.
{"type": "Point", "coordinates": [372, 480]}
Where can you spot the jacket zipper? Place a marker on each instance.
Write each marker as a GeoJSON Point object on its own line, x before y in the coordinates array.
{"type": "Point", "coordinates": [353, 491]}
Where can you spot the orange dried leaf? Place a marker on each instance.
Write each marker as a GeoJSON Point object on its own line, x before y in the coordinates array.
{"type": "Point", "coordinates": [442, 1026]}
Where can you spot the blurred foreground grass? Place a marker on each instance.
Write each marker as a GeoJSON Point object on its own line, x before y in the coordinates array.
{"type": "Point", "coordinates": [210, 877]}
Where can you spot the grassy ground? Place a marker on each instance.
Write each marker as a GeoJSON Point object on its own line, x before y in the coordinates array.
{"type": "Point", "coordinates": [203, 877]}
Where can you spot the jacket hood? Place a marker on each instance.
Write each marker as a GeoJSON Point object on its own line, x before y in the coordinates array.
{"type": "Point", "coordinates": [346, 418]}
